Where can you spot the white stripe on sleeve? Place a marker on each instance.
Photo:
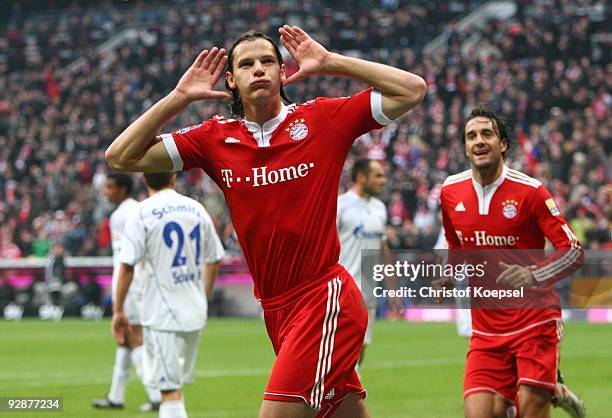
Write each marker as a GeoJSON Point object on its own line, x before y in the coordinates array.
{"type": "Point", "coordinates": [376, 108]}
{"type": "Point", "coordinates": [177, 161]}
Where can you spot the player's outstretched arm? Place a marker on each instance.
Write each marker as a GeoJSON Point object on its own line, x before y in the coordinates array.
{"type": "Point", "coordinates": [138, 148]}
{"type": "Point", "coordinates": [401, 90]}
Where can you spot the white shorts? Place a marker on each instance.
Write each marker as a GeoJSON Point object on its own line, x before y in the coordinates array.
{"type": "Point", "coordinates": [370, 329]}
{"type": "Point", "coordinates": [132, 307]}
{"type": "Point", "coordinates": [169, 358]}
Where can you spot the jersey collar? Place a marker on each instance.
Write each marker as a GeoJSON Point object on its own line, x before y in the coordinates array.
{"type": "Point", "coordinates": [496, 183]}
{"type": "Point", "coordinates": [166, 190]}
{"type": "Point", "coordinates": [356, 196]}
{"type": "Point", "coordinates": [263, 133]}
{"type": "Point", "coordinates": [125, 201]}
{"type": "Point", "coordinates": [485, 193]}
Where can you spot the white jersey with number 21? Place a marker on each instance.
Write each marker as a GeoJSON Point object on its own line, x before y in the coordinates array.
{"type": "Point", "coordinates": [176, 237]}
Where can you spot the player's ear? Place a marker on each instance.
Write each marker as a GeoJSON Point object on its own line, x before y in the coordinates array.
{"type": "Point", "coordinates": [361, 177]}
{"type": "Point", "coordinates": [283, 75]}
{"type": "Point", "coordinates": [504, 145]}
{"type": "Point", "coordinates": [229, 80]}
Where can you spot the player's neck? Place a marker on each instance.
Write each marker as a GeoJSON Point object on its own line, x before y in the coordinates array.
{"type": "Point", "coordinates": [151, 191]}
{"type": "Point", "coordinates": [263, 112]}
{"type": "Point", "coordinates": [360, 192]}
{"type": "Point", "coordinates": [487, 175]}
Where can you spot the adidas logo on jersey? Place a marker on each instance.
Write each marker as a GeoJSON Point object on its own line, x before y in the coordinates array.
{"type": "Point", "coordinates": [460, 207]}
{"type": "Point", "coordinates": [230, 140]}
{"type": "Point", "coordinates": [330, 394]}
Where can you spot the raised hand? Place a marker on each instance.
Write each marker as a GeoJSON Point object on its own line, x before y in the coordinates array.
{"type": "Point", "coordinates": [199, 80]}
{"type": "Point", "coordinates": [308, 53]}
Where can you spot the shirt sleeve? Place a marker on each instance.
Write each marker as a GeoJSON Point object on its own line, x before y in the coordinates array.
{"type": "Point", "coordinates": [569, 255]}
{"type": "Point", "coordinates": [357, 114]}
{"type": "Point", "coordinates": [187, 147]}
{"type": "Point", "coordinates": [454, 256]}
{"type": "Point", "coordinates": [441, 243]}
{"type": "Point", "coordinates": [452, 240]}
{"type": "Point", "coordinates": [212, 250]}
{"type": "Point", "coordinates": [133, 241]}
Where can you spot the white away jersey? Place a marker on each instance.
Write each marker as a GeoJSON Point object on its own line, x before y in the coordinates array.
{"type": "Point", "coordinates": [118, 221]}
{"type": "Point", "coordinates": [176, 237]}
{"type": "Point", "coordinates": [361, 226]}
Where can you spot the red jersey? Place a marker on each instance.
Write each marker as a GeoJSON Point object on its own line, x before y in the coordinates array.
{"type": "Point", "coordinates": [280, 181]}
{"type": "Point", "coordinates": [514, 212]}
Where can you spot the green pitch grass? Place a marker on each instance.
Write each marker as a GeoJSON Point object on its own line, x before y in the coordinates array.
{"type": "Point", "coordinates": [411, 370]}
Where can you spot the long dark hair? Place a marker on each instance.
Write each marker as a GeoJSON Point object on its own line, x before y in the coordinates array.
{"type": "Point", "coordinates": [236, 108]}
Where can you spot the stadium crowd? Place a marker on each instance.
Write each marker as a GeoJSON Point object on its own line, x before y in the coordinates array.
{"type": "Point", "coordinates": [547, 70]}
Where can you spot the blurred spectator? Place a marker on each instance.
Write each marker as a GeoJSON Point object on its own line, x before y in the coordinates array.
{"type": "Point", "coordinates": [40, 245]}
{"type": "Point", "coordinates": [7, 293]}
{"type": "Point", "coordinates": [8, 249]}
{"type": "Point", "coordinates": [91, 292]}
{"type": "Point", "coordinates": [58, 290]}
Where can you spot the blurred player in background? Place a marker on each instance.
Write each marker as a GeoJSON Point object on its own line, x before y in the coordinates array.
{"type": "Point", "coordinates": [361, 225]}
{"type": "Point", "coordinates": [175, 236]}
{"type": "Point", "coordinates": [279, 165]}
{"type": "Point", "coordinates": [514, 353]}
{"type": "Point", "coordinates": [117, 190]}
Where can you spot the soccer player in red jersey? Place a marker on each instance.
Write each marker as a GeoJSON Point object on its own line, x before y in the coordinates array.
{"type": "Point", "coordinates": [513, 352]}
{"type": "Point", "coordinates": [279, 166]}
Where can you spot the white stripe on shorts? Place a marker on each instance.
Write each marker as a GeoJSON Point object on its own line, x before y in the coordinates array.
{"type": "Point", "coordinates": [326, 347]}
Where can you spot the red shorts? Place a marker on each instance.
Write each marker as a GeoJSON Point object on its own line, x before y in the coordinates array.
{"type": "Point", "coordinates": [499, 364]}
{"type": "Point", "coordinates": [317, 339]}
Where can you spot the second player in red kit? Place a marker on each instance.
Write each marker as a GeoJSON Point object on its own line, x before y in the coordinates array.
{"type": "Point", "coordinates": [514, 353]}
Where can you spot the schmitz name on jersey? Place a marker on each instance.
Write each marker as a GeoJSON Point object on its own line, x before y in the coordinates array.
{"type": "Point", "coordinates": [168, 208]}
{"type": "Point", "coordinates": [262, 176]}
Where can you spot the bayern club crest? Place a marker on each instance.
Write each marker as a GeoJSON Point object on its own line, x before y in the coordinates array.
{"type": "Point", "coordinates": [297, 130]}
{"type": "Point", "coordinates": [510, 208]}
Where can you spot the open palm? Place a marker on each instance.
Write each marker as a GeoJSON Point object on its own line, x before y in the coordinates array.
{"type": "Point", "coordinates": [309, 54]}
{"type": "Point", "coordinates": [198, 82]}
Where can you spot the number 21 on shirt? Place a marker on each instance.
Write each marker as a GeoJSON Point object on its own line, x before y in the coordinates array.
{"type": "Point", "coordinates": [173, 229]}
